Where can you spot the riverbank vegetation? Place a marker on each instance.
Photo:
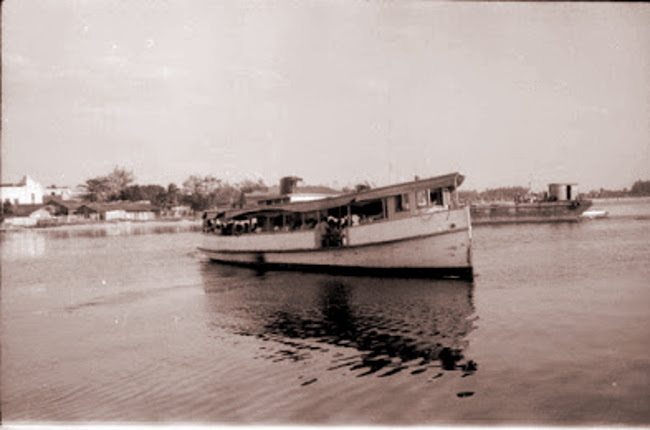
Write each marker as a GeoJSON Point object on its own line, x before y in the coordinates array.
{"type": "Point", "coordinates": [203, 192]}
{"type": "Point", "coordinates": [197, 192]}
{"type": "Point", "coordinates": [639, 189]}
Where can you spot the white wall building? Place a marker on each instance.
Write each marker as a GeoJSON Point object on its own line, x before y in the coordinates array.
{"type": "Point", "coordinates": [64, 193]}
{"type": "Point", "coordinates": [25, 192]}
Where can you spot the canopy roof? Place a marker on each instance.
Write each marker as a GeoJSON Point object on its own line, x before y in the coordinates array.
{"type": "Point", "coordinates": [451, 181]}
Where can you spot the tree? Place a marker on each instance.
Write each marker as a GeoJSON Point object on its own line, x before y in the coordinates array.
{"type": "Point", "coordinates": [108, 187]}
{"type": "Point", "coordinates": [248, 186]}
{"type": "Point", "coordinates": [132, 193]}
{"type": "Point", "coordinates": [97, 189]}
{"type": "Point", "coordinates": [118, 180]}
{"type": "Point", "coordinates": [172, 195]}
{"type": "Point", "coordinates": [468, 196]}
{"type": "Point", "coordinates": [156, 194]}
{"type": "Point", "coordinates": [640, 188]}
{"type": "Point", "coordinates": [201, 192]}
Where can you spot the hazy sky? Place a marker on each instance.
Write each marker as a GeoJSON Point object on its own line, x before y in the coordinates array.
{"type": "Point", "coordinates": [336, 92]}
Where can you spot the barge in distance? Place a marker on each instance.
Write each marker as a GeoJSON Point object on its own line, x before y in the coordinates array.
{"type": "Point", "coordinates": [416, 228]}
{"type": "Point", "coordinates": [560, 204]}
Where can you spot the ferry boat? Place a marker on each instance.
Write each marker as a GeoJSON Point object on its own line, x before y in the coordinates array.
{"type": "Point", "coordinates": [416, 228]}
{"type": "Point", "coordinates": [560, 204]}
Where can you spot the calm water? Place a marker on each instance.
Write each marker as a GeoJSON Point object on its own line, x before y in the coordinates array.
{"type": "Point", "coordinates": [130, 324]}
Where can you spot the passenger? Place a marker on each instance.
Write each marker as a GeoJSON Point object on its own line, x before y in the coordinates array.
{"type": "Point", "coordinates": [321, 232]}
{"type": "Point", "coordinates": [334, 234]}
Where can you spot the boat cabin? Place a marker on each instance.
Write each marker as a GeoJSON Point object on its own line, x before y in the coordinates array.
{"type": "Point", "coordinates": [382, 204]}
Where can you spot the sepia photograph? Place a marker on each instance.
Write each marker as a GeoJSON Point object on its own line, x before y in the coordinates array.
{"type": "Point", "coordinates": [386, 213]}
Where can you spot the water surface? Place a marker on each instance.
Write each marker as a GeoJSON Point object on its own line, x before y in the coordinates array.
{"type": "Point", "coordinates": [126, 327]}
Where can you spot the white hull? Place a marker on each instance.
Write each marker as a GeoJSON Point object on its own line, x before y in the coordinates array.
{"type": "Point", "coordinates": [438, 241]}
{"type": "Point", "coordinates": [595, 214]}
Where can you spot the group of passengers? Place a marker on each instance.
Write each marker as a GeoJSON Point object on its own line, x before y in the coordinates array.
{"type": "Point", "coordinates": [329, 232]}
{"type": "Point", "coordinates": [231, 227]}
{"type": "Point", "coordinates": [328, 229]}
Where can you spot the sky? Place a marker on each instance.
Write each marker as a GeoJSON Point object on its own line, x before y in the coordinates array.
{"type": "Point", "coordinates": [337, 92]}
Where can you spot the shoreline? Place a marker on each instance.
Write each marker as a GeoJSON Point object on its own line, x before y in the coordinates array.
{"type": "Point", "coordinates": [99, 225]}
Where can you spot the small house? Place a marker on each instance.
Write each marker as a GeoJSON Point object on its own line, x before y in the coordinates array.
{"type": "Point", "coordinates": [90, 211]}
{"type": "Point", "coordinates": [61, 207]}
{"type": "Point", "coordinates": [28, 215]}
{"type": "Point", "coordinates": [119, 211]}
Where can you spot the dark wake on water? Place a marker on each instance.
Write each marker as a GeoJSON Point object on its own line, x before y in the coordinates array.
{"type": "Point", "coordinates": [393, 324]}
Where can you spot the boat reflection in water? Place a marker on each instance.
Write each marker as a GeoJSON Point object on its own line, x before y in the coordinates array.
{"type": "Point", "coordinates": [391, 325]}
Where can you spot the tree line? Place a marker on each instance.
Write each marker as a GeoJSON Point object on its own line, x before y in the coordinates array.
{"type": "Point", "coordinates": [197, 192]}
{"type": "Point", "coordinates": [639, 189]}
{"type": "Point", "coordinates": [204, 192]}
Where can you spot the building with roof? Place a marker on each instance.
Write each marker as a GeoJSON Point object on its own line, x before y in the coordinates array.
{"type": "Point", "coordinates": [25, 192]}
{"type": "Point", "coordinates": [61, 206]}
{"type": "Point", "coordinates": [64, 193]}
{"type": "Point", "coordinates": [28, 215]}
{"type": "Point", "coordinates": [118, 211]}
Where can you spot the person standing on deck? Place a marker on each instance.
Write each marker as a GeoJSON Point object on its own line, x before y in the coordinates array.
{"type": "Point", "coordinates": [320, 233]}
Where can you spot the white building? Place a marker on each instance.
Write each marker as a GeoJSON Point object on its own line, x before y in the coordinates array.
{"type": "Point", "coordinates": [64, 193]}
{"type": "Point", "coordinates": [26, 192]}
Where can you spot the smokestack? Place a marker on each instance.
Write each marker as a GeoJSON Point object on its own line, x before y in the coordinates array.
{"type": "Point", "coordinates": [288, 184]}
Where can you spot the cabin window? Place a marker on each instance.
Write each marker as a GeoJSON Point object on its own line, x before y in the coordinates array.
{"type": "Point", "coordinates": [311, 219]}
{"type": "Point", "coordinates": [368, 211]}
{"type": "Point", "coordinates": [421, 198]}
{"type": "Point", "coordinates": [277, 223]}
{"type": "Point", "coordinates": [293, 222]}
{"type": "Point", "coordinates": [402, 203]}
{"type": "Point", "coordinates": [263, 223]}
{"type": "Point", "coordinates": [436, 197]}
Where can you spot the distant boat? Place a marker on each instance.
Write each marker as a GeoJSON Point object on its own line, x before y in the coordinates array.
{"type": "Point", "coordinates": [413, 228]}
{"type": "Point", "coordinates": [561, 203]}
{"type": "Point", "coordinates": [594, 214]}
